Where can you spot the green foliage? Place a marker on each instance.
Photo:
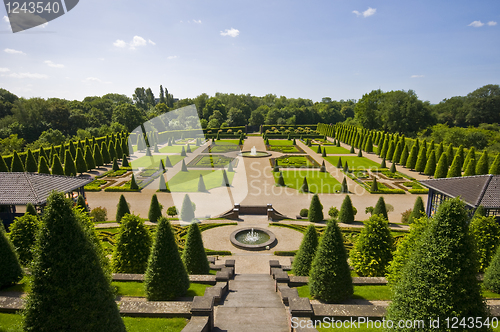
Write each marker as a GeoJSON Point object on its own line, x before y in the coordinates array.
{"type": "Point", "coordinates": [225, 180]}
{"type": "Point", "coordinates": [125, 162]}
{"type": "Point", "coordinates": [307, 250]}
{"type": "Point", "coordinates": [154, 209]}
{"type": "Point", "coordinates": [31, 165]}
{"type": "Point", "coordinates": [98, 160]}
{"type": "Point", "coordinates": [346, 214]}
{"type": "Point", "coordinates": [304, 212]}
{"type": "Point", "coordinates": [333, 212]}
{"type": "Point", "coordinates": [456, 167]}
{"type": "Point", "coordinates": [172, 211]}
{"type": "Point", "coordinates": [194, 256]}
{"type": "Point", "coordinates": [369, 145]}
{"type": "Point", "coordinates": [99, 214]}
{"type": "Point", "coordinates": [442, 167]}
{"type": "Point", "coordinates": [404, 156]}
{"type": "Point", "coordinates": [318, 150]}
{"type": "Point", "coordinates": [480, 212]}
{"type": "Point", "coordinates": [372, 251]}
{"type": "Point", "coordinates": [330, 279]}
{"type": "Point", "coordinates": [166, 277]}
{"type": "Point", "coordinates": [412, 159]}
{"type": "Point", "coordinates": [323, 167]}
{"type": "Point", "coordinates": [380, 208]}
{"type": "Point", "coordinates": [133, 183]}
{"type": "Point", "coordinates": [305, 187]}
{"type": "Point", "coordinates": [494, 168]}
{"type": "Point", "coordinates": [430, 166]}
{"type": "Point", "coordinates": [115, 165]}
{"type": "Point", "coordinates": [122, 208]}
{"type": "Point", "coordinates": [68, 273]}
{"type": "Point", "coordinates": [89, 158]}
{"type": "Point", "coordinates": [485, 232]}
{"type": "Point", "coordinates": [482, 165]}
{"type": "Point", "coordinates": [132, 248]}
{"type": "Point", "coordinates": [281, 180]}
{"type": "Point", "coordinates": [393, 167]}
{"type": "Point", "coordinates": [80, 202]}
{"type": "Point", "coordinates": [111, 151]}
{"type": "Point", "coordinates": [405, 249]}
{"type": "Point", "coordinates": [43, 168]}
{"type": "Point", "coordinates": [30, 209]}
{"type": "Point", "coordinates": [17, 164]}
{"type": "Point", "coordinates": [383, 163]}
{"type": "Point", "coordinates": [3, 165]}
{"type": "Point", "coordinates": [344, 189]}
{"type": "Point", "coordinates": [421, 160]}
{"type": "Point", "coordinates": [183, 152]}
{"type": "Point", "coordinates": [163, 185]}
{"type": "Point", "coordinates": [10, 270]}
{"type": "Point", "coordinates": [492, 275]}
{"type": "Point", "coordinates": [374, 187]}
{"type": "Point", "coordinates": [470, 169]}
{"type": "Point", "coordinates": [315, 210]}
{"type": "Point", "coordinates": [439, 278]}
{"type": "Point", "coordinates": [69, 164]}
{"type": "Point", "coordinates": [57, 168]}
{"type": "Point", "coordinates": [187, 211]}
{"type": "Point", "coordinates": [23, 235]}
{"type": "Point", "coordinates": [339, 163]}
{"type": "Point", "coordinates": [183, 166]}
{"type": "Point", "coordinates": [470, 155]}
{"type": "Point", "coordinates": [106, 158]}
{"type": "Point", "coordinates": [360, 153]}
{"type": "Point", "coordinates": [201, 184]}
{"type": "Point", "coordinates": [81, 165]}
{"type": "Point", "coordinates": [390, 151]}
{"type": "Point", "coordinates": [418, 210]}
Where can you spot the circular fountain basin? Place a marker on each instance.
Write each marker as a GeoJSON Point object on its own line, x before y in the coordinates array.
{"type": "Point", "coordinates": [258, 154]}
{"type": "Point", "coordinates": [243, 238]}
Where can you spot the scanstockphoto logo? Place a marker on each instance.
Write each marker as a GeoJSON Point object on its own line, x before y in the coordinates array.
{"type": "Point", "coordinates": [24, 15]}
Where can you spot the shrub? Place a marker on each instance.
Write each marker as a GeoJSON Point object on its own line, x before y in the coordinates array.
{"type": "Point", "coordinates": [445, 252]}
{"type": "Point", "coordinates": [495, 166]}
{"type": "Point", "coordinates": [480, 212]}
{"type": "Point", "coordinates": [330, 279]}
{"type": "Point", "coordinates": [281, 180]}
{"type": "Point", "coordinates": [442, 167]}
{"type": "Point", "coordinates": [372, 251]}
{"type": "Point", "coordinates": [16, 164]}
{"type": "Point", "coordinates": [163, 185]}
{"type": "Point", "coordinates": [172, 211]}
{"type": "Point", "coordinates": [421, 160]}
{"type": "Point", "coordinates": [346, 214]}
{"type": "Point", "coordinates": [315, 210]}
{"type": "Point", "coordinates": [125, 162]}
{"type": "Point", "coordinates": [80, 202]}
{"type": "Point", "coordinates": [23, 235]}
{"type": "Point", "coordinates": [393, 167]}
{"type": "Point", "coordinates": [10, 270]}
{"type": "Point", "coordinates": [380, 208]}
{"type": "Point", "coordinates": [339, 163]}
{"type": "Point", "coordinates": [133, 244]}
{"type": "Point", "coordinates": [43, 168]}
{"type": "Point", "coordinates": [374, 186]}
{"type": "Point", "coordinates": [183, 152]}
{"type": "Point", "coordinates": [405, 249]}
{"type": "Point", "coordinates": [344, 189]}
{"type": "Point", "coordinates": [470, 169]}
{"type": "Point", "coordinates": [69, 164]}
{"type": "Point", "coordinates": [112, 151]}
{"type": "Point", "coordinates": [333, 212]}
{"type": "Point", "coordinates": [430, 166]}
{"type": "Point", "coordinates": [485, 232]}
{"type": "Point", "coordinates": [360, 154]}
{"type": "Point", "coordinates": [304, 212]}
{"type": "Point", "coordinates": [30, 209]}
{"type": "Point", "coordinates": [383, 163]}
{"type": "Point", "coordinates": [76, 277]}
{"type": "Point", "coordinates": [183, 166]}
{"type": "Point", "coordinates": [166, 277]}
{"type": "Point", "coordinates": [106, 158]}
{"type": "Point", "coordinates": [89, 158]}
{"type": "Point", "coordinates": [133, 183]}
{"type": "Point", "coordinates": [404, 156]}
{"type": "Point", "coordinates": [456, 167]}
{"type": "Point", "coordinates": [304, 257]}
{"type": "Point", "coordinates": [99, 214]}
{"type": "Point", "coordinates": [482, 165]}
{"type": "Point", "coordinates": [305, 187]}
{"type": "Point", "coordinates": [115, 165]}
{"type": "Point", "coordinates": [411, 162]}
{"type": "Point", "coordinates": [81, 165]}
{"type": "Point", "coordinates": [194, 256]}
{"type": "Point", "coordinates": [405, 216]}
{"type": "Point", "coordinates": [187, 211]}
{"type": "Point", "coordinates": [122, 208]}
{"type": "Point", "coordinates": [225, 180]}
{"type": "Point", "coordinates": [418, 210]}
{"type": "Point", "coordinates": [31, 165]}
{"type": "Point", "coordinates": [201, 184]}
{"type": "Point", "coordinates": [492, 275]}
{"type": "Point", "coordinates": [167, 162]}
{"type": "Point", "coordinates": [57, 168]}
{"type": "Point", "coordinates": [323, 167]}
{"type": "Point", "coordinates": [154, 209]}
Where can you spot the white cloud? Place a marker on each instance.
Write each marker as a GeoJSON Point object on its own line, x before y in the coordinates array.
{"type": "Point", "coordinates": [6, 19]}
{"type": "Point", "coordinates": [43, 25]}
{"type": "Point", "coordinates": [28, 75]}
{"type": "Point", "coordinates": [4, 70]}
{"type": "Point", "coordinates": [151, 42]}
{"type": "Point", "coordinates": [369, 12]}
{"type": "Point", "coordinates": [417, 76]}
{"type": "Point", "coordinates": [53, 65]}
{"type": "Point", "coordinates": [137, 41]}
{"type": "Point", "coordinates": [476, 24]}
{"type": "Point", "coordinates": [492, 23]}
{"type": "Point", "coordinates": [230, 32]}
{"type": "Point", "coordinates": [11, 51]}
{"type": "Point", "coordinates": [92, 79]}
{"type": "Point", "coordinates": [172, 57]}
{"type": "Point", "coordinates": [197, 22]}
{"type": "Point", "coordinates": [120, 43]}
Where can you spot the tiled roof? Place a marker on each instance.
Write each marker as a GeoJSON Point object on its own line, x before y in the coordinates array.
{"type": "Point", "coordinates": [474, 190]}
{"type": "Point", "coordinates": [23, 188]}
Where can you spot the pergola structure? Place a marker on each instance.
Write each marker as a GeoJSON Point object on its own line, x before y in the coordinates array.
{"type": "Point", "coordinates": [21, 188]}
{"type": "Point", "coordinates": [473, 190]}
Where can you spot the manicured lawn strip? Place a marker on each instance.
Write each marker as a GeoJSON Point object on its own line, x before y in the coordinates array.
{"type": "Point", "coordinates": [319, 182]}
{"type": "Point", "coordinates": [354, 162]}
{"type": "Point", "coordinates": [284, 148]}
{"type": "Point", "coordinates": [221, 148]}
{"type": "Point", "coordinates": [295, 162]}
{"type": "Point", "coordinates": [227, 142]}
{"type": "Point", "coordinates": [154, 160]}
{"type": "Point", "coordinates": [334, 150]}
{"type": "Point", "coordinates": [280, 142]}
{"type": "Point", "coordinates": [136, 289]}
{"type": "Point", "coordinates": [188, 181]}
{"type": "Point", "coordinates": [13, 323]}
{"type": "Point", "coordinates": [213, 160]}
{"type": "Point", "coordinates": [370, 293]}
{"type": "Point", "coordinates": [177, 148]}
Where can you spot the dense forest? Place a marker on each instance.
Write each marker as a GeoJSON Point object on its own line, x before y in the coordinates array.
{"type": "Point", "coordinates": [471, 120]}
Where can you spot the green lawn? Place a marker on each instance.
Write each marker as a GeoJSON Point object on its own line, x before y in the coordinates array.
{"type": "Point", "coordinates": [136, 289]}
{"type": "Point", "coordinates": [188, 181]}
{"type": "Point", "coordinates": [357, 163]}
{"type": "Point", "coordinates": [213, 160]}
{"type": "Point", "coordinates": [154, 160]}
{"type": "Point", "coordinates": [13, 323]}
{"type": "Point", "coordinates": [371, 293]}
{"type": "Point", "coordinates": [333, 149]}
{"type": "Point", "coordinates": [319, 182]}
{"type": "Point", "coordinates": [280, 142]}
{"type": "Point", "coordinates": [295, 161]}
{"type": "Point", "coordinates": [284, 148]}
{"type": "Point", "coordinates": [177, 148]}
{"type": "Point", "coordinates": [226, 142]}
{"type": "Point", "coordinates": [223, 148]}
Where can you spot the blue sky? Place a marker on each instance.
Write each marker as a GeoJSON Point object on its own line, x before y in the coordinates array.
{"type": "Point", "coordinates": [337, 48]}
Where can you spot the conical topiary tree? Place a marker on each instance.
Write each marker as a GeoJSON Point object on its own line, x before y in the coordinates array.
{"type": "Point", "coordinates": [187, 211]}
{"type": "Point", "coordinates": [112, 151]}
{"type": "Point", "coordinates": [281, 180]}
{"type": "Point", "coordinates": [318, 150]}
{"type": "Point", "coordinates": [404, 156]}
{"type": "Point", "coordinates": [225, 180]}
{"type": "Point", "coordinates": [193, 255]}
{"type": "Point", "coordinates": [352, 150]}
{"type": "Point", "coordinates": [118, 149]}
{"type": "Point", "coordinates": [412, 158]}
{"type": "Point", "coordinates": [125, 162]}
{"type": "Point", "coordinates": [57, 168]}
{"type": "Point", "coordinates": [10, 270]}
{"type": "Point", "coordinates": [166, 277]}
{"type": "Point", "coordinates": [183, 152]}
{"type": "Point", "coordinates": [133, 245]}
{"type": "Point", "coordinates": [393, 167]}
{"type": "Point", "coordinates": [346, 214]}
{"type": "Point", "coordinates": [485, 232]}
{"type": "Point", "coordinates": [470, 169]}
{"type": "Point", "coordinates": [456, 168]}
{"type": "Point", "coordinates": [133, 183]}
{"type": "Point", "coordinates": [81, 165]}
{"type": "Point", "coordinates": [154, 209]}
{"type": "Point", "coordinates": [115, 165]}
{"type": "Point", "coordinates": [430, 166]}
{"type": "Point", "coordinates": [339, 163]}
{"type": "Point", "coordinates": [98, 156]}
{"type": "Point", "coordinates": [470, 155]}
{"type": "Point", "coordinates": [307, 250]}
{"type": "Point", "coordinates": [30, 209]}
{"type": "Point", "coordinates": [167, 162]}
{"type": "Point", "coordinates": [17, 164]}
{"type": "Point", "coordinates": [346, 168]}
{"type": "Point", "coordinates": [418, 210]}
{"type": "Point", "coordinates": [80, 203]}
{"type": "Point", "coordinates": [323, 167]}
{"type": "Point", "coordinates": [201, 184]}
{"type": "Point", "coordinates": [183, 166]}
{"type": "Point", "coordinates": [374, 187]}
{"type": "Point", "coordinates": [494, 168]}
{"type": "Point", "coordinates": [421, 160]}
{"type": "Point", "coordinates": [23, 236]}
{"type": "Point", "coordinates": [380, 208]}
{"type": "Point", "coordinates": [369, 145]}
{"type": "Point", "coordinates": [230, 167]}
{"type": "Point", "coordinates": [305, 187]}
{"type": "Point", "coordinates": [105, 153]}
{"type": "Point", "coordinates": [383, 163]}
{"type": "Point", "coordinates": [445, 252]}
{"type": "Point", "coordinates": [372, 251]}
{"type": "Point", "coordinates": [3, 165]}
{"type": "Point", "coordinates": [315, 210]}
{"type": "Point", "coordinates": [163, 185]}
{"type": "Point", "coordinates": [76, 277]}
{"type": "Point", "coordinates": [330, 278]}
{"type": "Point", "coordinates": [43, 168]}
{"type": "Point", "coordinates": [360, 154]}
{"type": "Point", "coordinates": [89, 158]}
{"type": "Point", "coordinates": [31, 165]}
{"type": "Point", "coordinates": [122, 208]}
{"type": "Point", "coordinates": [442, 167]}
{"type": "Point", "coordinates": [344, 189]}
{"type": "Point", "coordinates": [482, 166]}
{"type": "Point", "coordinates": [69, 164]}
{"type": "Point", "coordinates": [323, 153]}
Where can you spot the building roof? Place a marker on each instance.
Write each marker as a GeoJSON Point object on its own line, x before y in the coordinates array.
{"type": "Point", "coordinates": [18, 188]}
{"type": "Point", "coordinates": [474, 190]}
